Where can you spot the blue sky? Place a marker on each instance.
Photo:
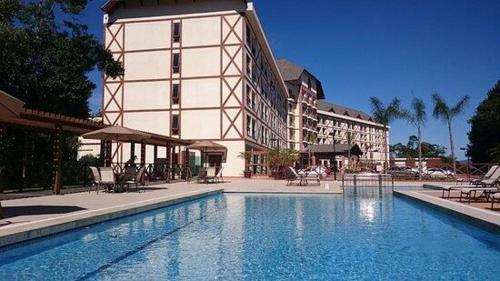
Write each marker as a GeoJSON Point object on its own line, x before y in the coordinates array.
{"type": "Point", "coordinates": [385, 49]}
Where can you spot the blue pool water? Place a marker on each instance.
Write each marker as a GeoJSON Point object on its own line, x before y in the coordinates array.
{"type": "Point", "coordinates": [267, 237]}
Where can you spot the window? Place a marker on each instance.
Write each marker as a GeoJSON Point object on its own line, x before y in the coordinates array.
{"type": "Point", "coordinates": [249, 66]}
{"type": "Point", "coordinates": [249, 96]}
{"type": "Point", "coordinates": [254, 130]}
{"type": "Point", "coordinates": [249, 126]}
{"type": "Point", "coordinates": [176, 63]}
{"type": "Point", "coordinates": [175, 94]}
{"type": "Point", "coordinates": [249, 36]}
{"type": "Point", "coordinates": [175, 124]}
{"type": "Point", "coordinates": [177, 32]}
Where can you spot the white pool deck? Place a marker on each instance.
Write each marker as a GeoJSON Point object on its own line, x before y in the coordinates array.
{"type": "Point", "coordinates": [433, 198]}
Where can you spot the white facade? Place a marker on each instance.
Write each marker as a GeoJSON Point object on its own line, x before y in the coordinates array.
{"type": "Point", "coordinates": [304, 90]}
{"type": "Point", "coordinates": [197, 71]}
{"type": "Point", "coordinates": [353, 127]}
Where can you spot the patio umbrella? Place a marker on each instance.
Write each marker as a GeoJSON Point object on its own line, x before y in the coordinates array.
{"type": "Point", "coordinates": [10, 107]}
{"type": "Point", "coordinates": [207, 146]}
{"type": "Point", "coordinates": [117, 133]}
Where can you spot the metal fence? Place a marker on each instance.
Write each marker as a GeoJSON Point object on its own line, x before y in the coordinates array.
{"type": "Point", "coordinates": [380, 181]}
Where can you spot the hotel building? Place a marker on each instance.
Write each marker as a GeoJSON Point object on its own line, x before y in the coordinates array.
{"type": "Point", "coordinates": [195, 70]}
{"type": "Point", "coordinates": [304, 90]}
{"type": "Point", "coordinates": [313, 121]}
{"type": "Point", "coordinates": [350, 126]}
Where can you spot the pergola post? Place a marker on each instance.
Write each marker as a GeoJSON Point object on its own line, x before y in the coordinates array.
{"type": "Point", "coordinates": [103, 153]}
{"type": "Point", "coordinates": [143, 154]}
{"type": "Point", "coordinates": [173, 160]}
{"type": "Point", "coordinates": [57, 161]}
{"type": "Point", "coordinates": [155, 154]}
{"type": "Point", "coordinates": [132, 150]}
{"type": "Point", "coordinates": [2, 135]}
{"type": "Point", "coordinates": [186, 164]}
{"type": "Point", "coordinates": [168, 161]}
{"type": "Point", "coordinates": [107, 159]}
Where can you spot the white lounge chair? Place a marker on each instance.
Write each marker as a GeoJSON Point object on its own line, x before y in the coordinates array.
{"type": "Point", "coordinates": [108, 177]}
{"type": "Point", "coordinates": [137, 179]}
{"type": "Point", "coordinates": [495, 198]}
{"type": "Point", "coordinates": [218, 178]}
{"type": "Point", "coordinates": [303, 179]}
{"type": "Point", "coordinates": [488, 175]}
{"type": "Point", "coordinates": [485, 183]}
{"type": "Point", "coordinates": [210, 174]}
{"type": "Point", "coordinates": [476, 193]}
{"type": "Point", "coordinates": [96, 179]}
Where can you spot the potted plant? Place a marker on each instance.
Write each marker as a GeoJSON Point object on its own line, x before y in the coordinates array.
{"type": "Point", "coordinates": [280, 159]}
{"type": "Point", "coordinates": [247, 155]}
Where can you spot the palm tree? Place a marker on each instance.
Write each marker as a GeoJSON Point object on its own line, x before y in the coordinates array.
{"type": "Point", "coordinates": [385, 115]}
{"type": "Point", "coordinates": [417, 117]}
{"type": "Point", "coordinates": [447, 114]}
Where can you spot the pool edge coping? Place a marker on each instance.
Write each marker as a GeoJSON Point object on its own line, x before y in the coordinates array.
{"type": "Point", "coordinates": [477, 215]}
{"type": "Point", "coordinates": [42, 228]}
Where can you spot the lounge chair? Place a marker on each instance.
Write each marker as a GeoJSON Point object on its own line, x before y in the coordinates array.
{"type": "Point", "coordinates": [210, 175]}
{"type": "Point", "coordinates": [293, 176]}
{"type": "Point", "coordinates": [476, 193]}
{"type": "Point", "coordinates": [495, 198]}
{"type": "Point", "coordinates": [108, 177]}
{"type": "Point", "coordinates": [96, 179]}
{"type": "Point", "coordinates": [467, 190]}
{"type": "Point", "coordinates": [303, 179]}
{"type": "Point", "coordinates": [218, 178]}
{"type": "Point", "coordinates": [487, 176]}
{"type": "Point", "coordinates": [137, 179]}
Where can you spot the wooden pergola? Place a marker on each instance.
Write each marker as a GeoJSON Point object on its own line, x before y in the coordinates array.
{"type": "Point", "coordinates": [14, 114]}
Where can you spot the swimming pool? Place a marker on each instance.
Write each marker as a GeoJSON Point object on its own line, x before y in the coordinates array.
{"type": "Point", "coordinates": [266, 237]}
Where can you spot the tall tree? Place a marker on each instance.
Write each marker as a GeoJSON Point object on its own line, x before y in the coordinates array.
{"type": "Point", "coordinates": [44, 59]}
{"type": "Point", "coordinates": [45, 56]}
{"type": "Point", "coordinates": [409, 150]}
{"type": "Point", "coordinates": [417, 117]}
{"type": "Point", "coordinates": [484, 135]}
{"type": "Point", "coordinates": [384, 115]}
{"type": "Point", "coordinates": [446, 113]}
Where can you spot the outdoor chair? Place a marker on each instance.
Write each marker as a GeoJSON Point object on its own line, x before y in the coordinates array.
{"type": "Point", "coordinates": [202, 175]}
{"type": "Point", "coordinates": [495, 198]}
{"type": "Point", "coordinates": [108, 177]}
{"type": "Point", "coordinates": [137, 179]}
{"type": "Point", "coordinates": [210, 174]}
{"type": "Point", "coordinates": [487, 176]}
{"type": "Point", "coordinates": [129, 173]}
{"type": "Point", "coordinates": [96, 179]}
{"type": "Point", "coordinates": [477, 193]}
{"type": "Point", "coordinates": [468, 190]}
{"type": "Point", "coordinates": [294, 176]}
{"type": "Point", "coordinates": [218, 177]}
{"type": "Point", "coordinates": [303, 179]}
